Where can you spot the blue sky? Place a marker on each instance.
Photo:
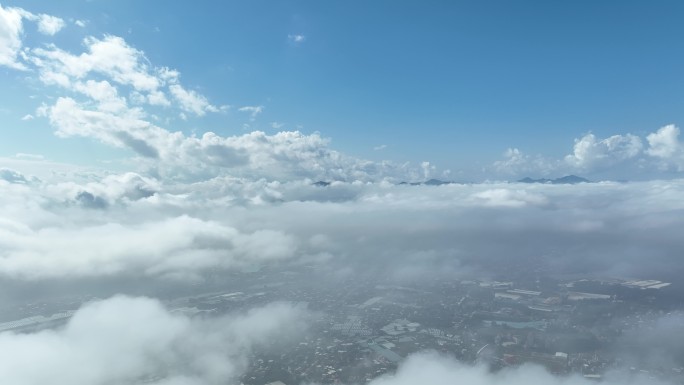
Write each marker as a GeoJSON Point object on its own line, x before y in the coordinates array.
{"type": "Point", "coordinates": [453, 83]}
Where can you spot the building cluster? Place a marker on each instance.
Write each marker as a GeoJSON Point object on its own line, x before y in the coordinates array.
{"type": "Point", "coordinates": [368, 326]}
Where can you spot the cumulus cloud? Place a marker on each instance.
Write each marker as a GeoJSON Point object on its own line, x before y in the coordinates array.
{"type": "Point", "coordinates": [106, 95]}
{"type": "Point", "coordinates": [50, 25]}
{"type": "Point", "coordinates": [11, 30]}
{"type": "Point", "coordinates": [131, 340]}
{"type": "Point", "coordinates": [285, 155]}
{"type": "Point", "coordinates": [110, 189]}
{"type": "Point", "coordinates": [664, 144]}
{"type": "Point", "coordinates": [122, 66]}
{"type": "Point", "coordinates": [616, 156]}
{"type": "Point", "coordinates": [110, 84]}
{"type": "Point", "coordinates": [127, 131]}
{"type": "Point", "coordinates": [106, 115]}
{"type": "Point", "coordinates": [110, 56]}
{"type": "Point", "coordinates": [589, 152]}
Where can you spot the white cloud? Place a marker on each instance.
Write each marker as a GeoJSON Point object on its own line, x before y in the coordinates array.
{"type": "Point", "coordinates": [509, 198]}
{"type": "Point", "coordinates": [121, 131]}
{"type": "Point", "coordinates": [37, 165]}
{"type": "Point", "coordinates": [101, 75]}
{"type": "Point", "coordinates": [104, 94]}
{"type": "Point", "coordinates": [664, 144]}
{"type": "Point", "coordinates": [81, 23]}
{"type": "Point", "coordinates": [296, 38]}
{"type": "Point", "coordinates": [27, 117]}
{"type": "Point", "coordinates": [168, 75]}
{"type": "Point", "coordinates": [12, 176]}
{"type": "Point", "coordinates": [121, 64]}
{"type": "Point", "coordinates": [284, 156]}
{"type": "Point", "coordinates": [253, 111]}
{"type": "Point", "coordinates": [50, 25]}
{"type": "Point", "coordinates": [431, 368]}
{"type": "Point", "coordinates": [111, 57]}
{"type": "Point", "coordinates": [191, 101]}
{"type": "Point", "coordinates": [277, 125]}
{"type": "Point", "coordinates": [49, 229]}
{"type": "Point", "coordinates": [128, 340]}
{"type": "Point", "coordinates": [11, 30]}
{"type": "Point", "coordinates": [175, 247]}
{"type": "Point", "coordinates": [380, 147]}
{"type": "Point", "coordinates": [112, 188]}
{"type": "Point", "coordinates": [516, 162]}
{"type": "Point", "coordinates": [158, 98]}
{"type": "Point", "coordinates": [617, 156]}
{"type": "Point", "coordinates": [589, 152]}
{"type": "Point", "coordinates": [360, 222]}
{"type": "Point", "coordinates": [29, 156]}
{"type": "Point", "coordinates": [427, 169]}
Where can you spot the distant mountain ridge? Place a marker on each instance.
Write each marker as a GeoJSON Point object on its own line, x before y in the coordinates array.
{"type": "Point", "coordinates": [568, 179]}
{"type": "Point", "coordinates": [430, 182]}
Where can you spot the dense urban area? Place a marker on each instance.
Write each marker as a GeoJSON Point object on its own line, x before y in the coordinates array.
{"type": "Point", "coordinates": [366, 326]}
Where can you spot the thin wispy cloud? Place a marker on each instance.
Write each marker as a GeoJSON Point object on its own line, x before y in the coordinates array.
{"type": "Point", "coordinates": [296, 39]}
{"type": "Point", "coordinates": [253, 111]}
{"type": "Point", "coordinates": [29, 156]}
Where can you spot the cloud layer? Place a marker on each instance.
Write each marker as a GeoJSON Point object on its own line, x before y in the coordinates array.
{"type": "Point", "coordinates": [122, 224]}
{"type": "Point", "coordinates": [176, 246]}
